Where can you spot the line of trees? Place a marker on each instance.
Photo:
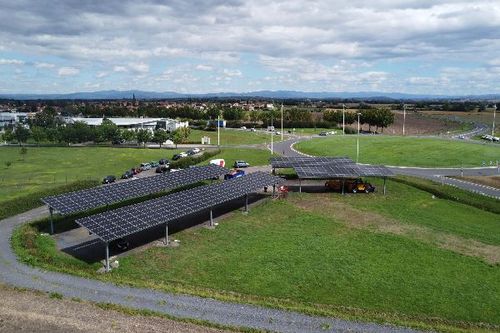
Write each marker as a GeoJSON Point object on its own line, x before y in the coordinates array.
{"type": "Point", "coordinates": [80, 132]}
{"type": "Point", "coordinates": [377, 117]}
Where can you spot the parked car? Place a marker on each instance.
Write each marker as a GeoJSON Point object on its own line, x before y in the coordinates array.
{"type": "Point", "coordinates": [154, 164]}
{"type": "Point", "coordinates": [145, 166]}
{"type": "Point", "coordinates": [241, 164]}
{"type": "Point", "coordinates": [196, 150]}
{"type": "Point", "coordinates": [162, 169]}
{"type": "Point", "coordinates": [128, 174]}
{"type": "Point", "coordinates": [109, 179]}
{"type": "Point", "coordinates": [179, 156]}
{"type": "Point", "coordinates": [252, 129]}
{"type": "Point", "coordinates": [118, 142]}
{"type": "Point", "coordinates": [243, 127]}
{"type": "Point", "coordinates": [120, 244]}
{"type": "Point", "coordinates": [136, 170]}
{"type": "Point", "coordinates": [163, 161]}
{"type": "Point", "coordinates": [353, 185]}
{"type": "Point", "coordinates": [234, 174]}
{"type": "Point", "coordinates": [219, 162]}
{"type": "Point", "coordinates": [323, 134]}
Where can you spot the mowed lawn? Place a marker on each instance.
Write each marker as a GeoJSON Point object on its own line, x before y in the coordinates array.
{"type": "Point", "coordinates": [362, 256]}
{"type": "Point", "coordinates": [407, 151]}
{"type": "Point", "coordinates": [232, 137]}
{"type": "Point", "coordinates": [45, 167]}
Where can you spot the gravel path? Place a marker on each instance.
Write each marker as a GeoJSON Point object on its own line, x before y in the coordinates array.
{"type": "Point", "coordinates": [17, 274]}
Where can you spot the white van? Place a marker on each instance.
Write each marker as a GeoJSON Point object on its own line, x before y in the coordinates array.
{"type": "Point", "coordinates": [219, 161]}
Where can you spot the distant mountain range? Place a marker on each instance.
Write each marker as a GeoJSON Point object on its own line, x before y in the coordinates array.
{"type": "Point", "coordinates": [268, 94]}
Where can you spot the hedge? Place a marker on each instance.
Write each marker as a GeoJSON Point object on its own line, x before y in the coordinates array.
{"type": "Point", "coordinates": [193, 160]}
{"type": "Point", "coordinates": [24, 203]}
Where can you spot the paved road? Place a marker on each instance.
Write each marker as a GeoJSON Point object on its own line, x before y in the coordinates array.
{"type": "Point", "coordinates": [17, 274]}
{"type": "Point", "coordinates": [286, 148]}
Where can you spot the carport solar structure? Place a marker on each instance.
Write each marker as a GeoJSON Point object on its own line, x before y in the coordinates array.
{"type": "Point", "coordinates": [83, 200]}
{"type": "Point", "coordinates": [292, 161]}
{"type": "Point", "coordinates": [121, 222]}
{"type": "Point", "coordinates": [327, 171]}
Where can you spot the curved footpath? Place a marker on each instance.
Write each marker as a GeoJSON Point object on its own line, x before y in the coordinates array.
{"type": "Point", "coordinates": [436, 174]}
{"type": "Point", "coordinates": [17, 274]}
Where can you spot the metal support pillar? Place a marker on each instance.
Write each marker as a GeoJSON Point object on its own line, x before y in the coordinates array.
{"type": "Point", "coordinates": [385, 178]}
{"type": "Point", "coordinates": [300, 186]}
{"type": "Point", "coordinates": [107, 257]}
{"type": "Point", "coordinates": [246, 203]}
{"type": "Point", "coordinates": [166, 234]}
{"type": "Point", "coordinates": [274, 189]}
{"type": "Point", "coordinates": [51, 211]}
{"type": "Point", "coordinates": [343, 186]}
{"type": "Point", "coordinates": [211, 218]}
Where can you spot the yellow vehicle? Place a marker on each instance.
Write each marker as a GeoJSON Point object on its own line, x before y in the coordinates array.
{"type": "Point", "coordinates": [354, 185]}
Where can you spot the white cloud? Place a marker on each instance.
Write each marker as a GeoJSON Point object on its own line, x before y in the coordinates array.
{"type": "Point", "coordinates": [11, 62]}
{"type": "Point", "coordinates": [68, 71]}
{"type": "Point", "coordinates": [139, 67]}
{"type": "Point", "coordinates": [232, 72]}
{"type": "Point", "coordinates": [120, 69]}
{"type": "Point", "coordinates": [206, 68]}
{"type": "Point", "coordinates": [44, 65]}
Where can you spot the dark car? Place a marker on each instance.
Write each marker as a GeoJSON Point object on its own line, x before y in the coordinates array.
{"type": "Point", "coordinates": [109, 179]}
{"type": "Point", "coordinates": [241, 164]}
{"type": "Point", "coordinates": [128, 174]}
{"type": "Point", "coordinates": [120, 244]}
{"type": "Point", "coordinates": [234, 174]}
{"type": "Point", "coordinates": [163, 161]}
{"type": "Point", "coordinates": [176, 157]}
{"type": "Point", "coordinates": [323, 134]}
{"type": "Point", "coordinates": [162, 169]}
{"type": "Point", "coordinates": [136, 171]}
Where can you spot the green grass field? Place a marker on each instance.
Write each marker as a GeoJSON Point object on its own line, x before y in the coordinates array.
{"type": "Point", "coordinates": [402, 258]}
{"type": "Point", "coordinates": [407, 151]}
{"type": "Point", "coordinates": [233, 137]}
{"type": "Point", "coordinates": [47, 167]}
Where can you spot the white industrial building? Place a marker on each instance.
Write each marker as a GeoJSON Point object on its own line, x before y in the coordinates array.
{"type": "Point", "coordinates": [12, 118]}
{"type": "Point", "coordinates": [151, 124]}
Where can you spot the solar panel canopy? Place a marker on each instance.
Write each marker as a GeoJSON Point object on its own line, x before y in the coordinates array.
{"type": "Point", "coordinates": [121, 222]}
{"type": "Point", "coordinates": [326, 171]}
{"type": "Point", "coordinates": [292, 161]}
{"type": "Point", "coordinates": [83, 200]}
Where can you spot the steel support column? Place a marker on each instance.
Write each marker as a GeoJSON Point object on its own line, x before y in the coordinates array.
{"type": "Point", "coordinates": [107, 257]}
{"type": "Point", "coordinates": [51, 211]}
{"type": "Point", "coordinates": [300, 186]}
{"type": "Point", "coordinates": [246, 203]}
{"type": "Point", "coordinates": [211, 218]}
{"type": "Point", "coordinates": [385, 178]}
{"type": "Point", "coordinates": [166, 234]}
{"type": "Point", "coordinates": [343, 186]}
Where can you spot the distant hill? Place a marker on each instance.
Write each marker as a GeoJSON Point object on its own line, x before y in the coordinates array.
{"type": "Point", "coordinates": [268, 94]}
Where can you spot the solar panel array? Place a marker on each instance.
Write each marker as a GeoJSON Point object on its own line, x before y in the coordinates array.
{"type": "Point", "coordinates": [292, 161]}
{"type": "Point", "coordinates": [83, 200]}
{"type": "Point", "coordinates": [326, 171]}
{"type": "Point", "coordinates": [128, 220]}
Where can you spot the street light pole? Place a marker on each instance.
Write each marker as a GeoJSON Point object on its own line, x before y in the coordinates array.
{"type": "Point", "coordinates": [343, 119]}
{"type": "Point", "coordinates": [357, 141]}
{"type": "Point", "coordinates": [494, 116]}
{"type": "Point", "coordinates": [218, 129]}
{"type": "Point", "coordinates": [404, 118]}
{"type": "Point", "coordinates": [281, 121]}
{"type": "Point", "coordinates": [272, 133]}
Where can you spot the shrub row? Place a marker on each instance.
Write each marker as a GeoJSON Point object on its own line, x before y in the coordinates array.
{"type": "Point", "coordinates": [452, 193]}
{"type": "Point", "coordinates": [193, 160]}
{"type": "Point", "coordinates": [21, 204]}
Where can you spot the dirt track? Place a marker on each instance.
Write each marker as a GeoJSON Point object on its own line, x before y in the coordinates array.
{"type": "Point", "coordinates": [24, 311]}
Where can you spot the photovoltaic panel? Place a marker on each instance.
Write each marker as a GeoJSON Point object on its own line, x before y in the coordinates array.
{"type": "Point", "coordinates": [327, 171]}
{"type": "Point", "coordinates": [83, 200]}
{"type": "Point", "coordinates": [292, 161]}
{"type": "Point", "coordinates": [128, 220]}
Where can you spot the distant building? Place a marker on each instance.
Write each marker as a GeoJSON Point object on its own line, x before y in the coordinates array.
{"type": "Point", "coordinates": [12, 118]}
{"type": "Point", "coordinates": [151, 124]}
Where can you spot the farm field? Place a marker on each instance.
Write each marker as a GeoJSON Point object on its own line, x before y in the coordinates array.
{"type": "Point", "coordinates": [405, 151]}
{"type": "Point", "coordinates": [46, 167]}
{"type": "Point", "coordinates": [233, 137]}
{"type": "Point", "coordinates": [398, 258]}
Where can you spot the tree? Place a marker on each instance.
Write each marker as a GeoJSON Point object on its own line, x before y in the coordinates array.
{"type": "Point", "coordinates": [76, 133]}
{"type": "Point", "coordinates": [21, 134]}
{"type": "Point", "coordinates": [108, 131]}
{"type": "Point", "coordinates": [127, 135]}
{"type": "Point", "coordinates": [160, 136]}
{"type": "Point", "coordinates": [181, 135]}
{"type": "Point", "coordinates": [38, 134]}
{"type": "Point", "coordinates": [143, 136]}
{"type": "Point", "coordinates": [46, 118]}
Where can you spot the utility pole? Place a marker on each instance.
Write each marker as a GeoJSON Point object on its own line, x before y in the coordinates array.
{"type": "Point", "coordinates": [404, 118]}
{"type": "Point", "coordinates": [343, 119]}
{"type": "Point", "coordinates": [494, 116]}
{"type": "Point", "coordinates": [357, 141]}
{"type": "Point", "coordinates": [272, 134]}
{"type": "Point", "coordinates": [281, 121]}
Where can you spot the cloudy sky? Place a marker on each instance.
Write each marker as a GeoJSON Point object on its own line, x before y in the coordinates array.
{"type": "Point", "coordinates": [413, 46]}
